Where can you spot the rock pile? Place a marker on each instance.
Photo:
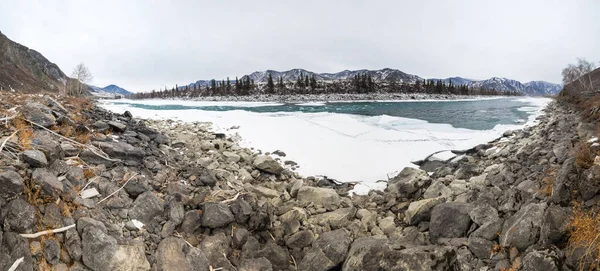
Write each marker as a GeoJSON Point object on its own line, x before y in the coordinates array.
{"type": "Point", "coordinates": [176, 196]}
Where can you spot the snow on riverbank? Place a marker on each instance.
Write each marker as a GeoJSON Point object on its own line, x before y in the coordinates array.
{"type": "Point", "coordinates": [348, 148]}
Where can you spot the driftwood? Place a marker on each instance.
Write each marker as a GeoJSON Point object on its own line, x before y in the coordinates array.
{"type": "Point", "coordinates": [16, 264]}
{"type": "Point", "coordinates": [93, 149]}
{"type": "Point", "coordinates": [6, 140]}
{"type": "Point", "coordinates": [116, 191]}
{"type": "Point", "coordinates": [38, 234]}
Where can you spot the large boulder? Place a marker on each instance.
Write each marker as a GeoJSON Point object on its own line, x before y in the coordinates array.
{"type": "Point", "coordinates": [449, 220]}
{"type": "Point", "coordinates": [146, 207]}
{"type": "Point", "coordinates": [325, 197]}
{"type": "Point", "coordinates": [590, 182]}
{"type": "Point", "coordinates": [216, 215]}
{"type": "Point", "coordinates": [337, 219]}
{"type": "Point", "coordinates": [129, 257]}
{"type": "Point", "coordinates": [563, 183]}
{"type": "Point", "coordinates": [49, 184]}
{"type": "Point", "coordinates": [540, 261]}
{"type": "Point", "coordinates": [11, 184]}
{"type": "Point", "coordinates": [39, 114]}
{"type": "Point", "coordinates": [267, 164]}
{"type": "Point", "coordinates": [408, 181]}
{"type": "Point", "coordinates": [523, 228]}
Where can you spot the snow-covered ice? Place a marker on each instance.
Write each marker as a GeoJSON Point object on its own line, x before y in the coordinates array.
{"type": "Point", "coordinates": [344, 147]}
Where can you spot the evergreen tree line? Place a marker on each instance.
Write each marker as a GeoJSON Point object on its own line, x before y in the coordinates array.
{"type": "Point", "coordinates": [308, 84]}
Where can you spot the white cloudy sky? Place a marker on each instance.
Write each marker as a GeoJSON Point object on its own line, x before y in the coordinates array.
{"type": "Point", "coordinates": [144, 45]}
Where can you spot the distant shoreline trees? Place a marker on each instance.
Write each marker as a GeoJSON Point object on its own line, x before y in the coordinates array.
{"type": "Point", "coordinates": [305, 84]}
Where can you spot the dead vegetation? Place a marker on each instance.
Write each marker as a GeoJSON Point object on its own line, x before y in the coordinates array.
{"type": "Point", "coordinates": [548, 181]}
{"type": "Point", "coordinates": [584, 156]}
{"type": "Point", "coordinates": [585, 237]}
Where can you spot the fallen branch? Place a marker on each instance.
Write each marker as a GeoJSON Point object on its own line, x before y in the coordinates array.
{"type": "Point", "coordinates": [6, 140]}
{"type": "Point", "coordinates": [16, 264]}
{"type": "Point", "coordinates": [232, 199]}
{"type": "Point", "coordinates": [117, 189]}
{"type": "Point", "coordinates": [8, 118]}
{"type": "Point", "coordinates": [95, 150]}
{"type": "Point", "coordinates": [38, 234]}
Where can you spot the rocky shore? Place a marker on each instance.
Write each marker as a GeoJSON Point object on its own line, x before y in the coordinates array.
{"type": "Point", "coordinates": [339, 97]}
{"type": "Point", "coordinates": [164, 195]}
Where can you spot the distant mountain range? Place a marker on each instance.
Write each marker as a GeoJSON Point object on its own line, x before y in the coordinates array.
{"type": "Point", "coordinates": [110, 90]}
{"type": "Point", "coordinates": [533, 88]}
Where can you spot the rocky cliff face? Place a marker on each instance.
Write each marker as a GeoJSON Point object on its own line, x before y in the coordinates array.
{"type": "Point", "coordinates": [26, 70]}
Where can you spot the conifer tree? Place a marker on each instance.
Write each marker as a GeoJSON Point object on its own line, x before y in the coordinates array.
{"type": "Point", "coordinates": [270, 84]}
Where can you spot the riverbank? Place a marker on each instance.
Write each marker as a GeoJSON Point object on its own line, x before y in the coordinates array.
{"type": "Point", "coordinates": [337, 97]}
{"type": "Point", "coordinates": [169, 195]}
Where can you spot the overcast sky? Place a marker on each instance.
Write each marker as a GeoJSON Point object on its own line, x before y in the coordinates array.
{"type": "Point", "coordinates": [145, 45]}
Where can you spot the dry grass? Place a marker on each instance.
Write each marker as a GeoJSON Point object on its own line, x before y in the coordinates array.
{"type": "Point", "coordinates": [83, 138]}
{"type": "Point", "coordinates": [585, 233]}
{"type": "Point", "coordinates": [548, 181]}
{"type": "Point", "coordinates": [25, 132]}
{"type": "Point", "coordinates": [584, 156]}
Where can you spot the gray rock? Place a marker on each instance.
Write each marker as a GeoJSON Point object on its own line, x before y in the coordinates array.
{"type": "Point", "coordinates": [562, 185]}
{"type": "Point", "coordinates": [34, 158]}
{"type": "Point", "coordinates": [51, 251]}
{"type": "Point", "coordinates": [100, 126]}
{"type": "Point", "coordinates": [408, 181]}
{"type": "Point", "coordinates": [216, 215]}
{"type": "Point", "coordinates": [325, 197]}
{"type": "Point", "coordinates": [130, 155]}
{"type": "Point", "coordinates": [191, 221]}
{"type": "Point", "coordinates": [291, 220]}
{"type": "Point", "coordinates": [216, 248]}
{"type": "Point", "coordinates": [522, 229]}
{"type": "Point", "coordinates": [561, 152]}
{"type": "Point", "coordinates": [258, 264]}
{"type": "Point", "coordinates": [46, 142]}
{"type": "Point", "coordinates": [39, 114]}
{"type": "Point", "coordinates": [146, 207]}
{"type": "Point", "coordinates": [50, 186]}
{"type": "Point", "coordinates": [176, 212]}
{"type": "Point", "coordinates": [18, 216]}
{"type": "Point", "coordinates": [241, 210]}
{"type": "Point", "coordinates": [197, 259]}
{"type": "Point", "coordinates": [449, 220]}
{"type": "Point", "coordinates": [590, 182]}
{"type": "Point", "coordinates": [489, 230]}
{"type": "Point", "coordinates": [555, 225]}
{"type": "Point", "coordinates": [170, 255]}
{"type": "Point", "coordinates": [240, 237]}
{"type": "Point", "coordinates": [206, 177]}
{"type": "Point", "coordinates": [387, 225]}
{"type": "Point", "coordinates": [540, 261]}
{"type": "Point", "coordinates": [14, 247]}
{"type": "Point", "coordinates": [73, 244]}
{"type": "Point", "coordinates": [11, 184]}
{"type": "Point", "coordinates": [129, 257]}
{"type": "Point", "coordinates": [267, 164]}
{"type": "Point", "coordinates": [278, 256]}
{"type": "Point", "coordinates": [55, 105]}
{"type": "Point", "coordinates": [334, 245]}
{"type": "Point", "coordinates": [69, 149]}
{"type": "Point", "coordinates": [98, 248]}
{"type": "Point", "coordinates": [117, 126]}
{"type": "Point", "coordinates": [337, 219]}
{"type": "Point", "coordinates": [483, 214]}
{"type": "Point", "coordinates": [480, 247]}
{"type": "Point", "coordinates": [419, 211]}
{"type": "Point", "coordinates": [231, 156]}
{"type": "Point", "coordinates": [438, 189]}
{"type": "Point", "coordinates": [75, 176]}
{"type": "Point", "coordinates": [300, 239]}
{"type": "Point", "coordinates": [373, 253]}
{"type": "Point", "coordinates": [85, 222]}
{"type": "Point", "coordinates": [265, 192]}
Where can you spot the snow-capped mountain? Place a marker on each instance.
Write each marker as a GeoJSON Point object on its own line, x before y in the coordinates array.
{"type": "Point", "coordinates": [530, 88]}
{"type": "Point", "coordinates": [110, 90]}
